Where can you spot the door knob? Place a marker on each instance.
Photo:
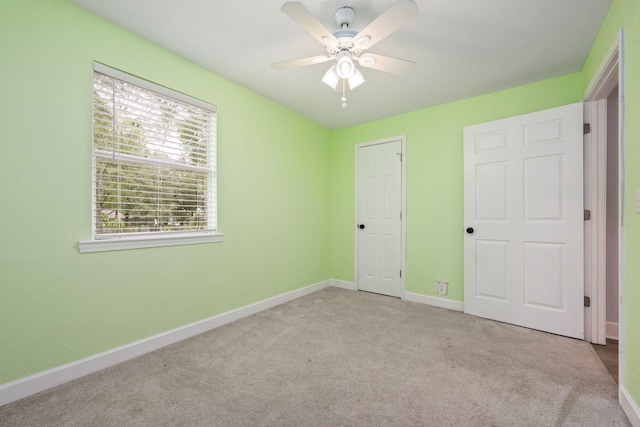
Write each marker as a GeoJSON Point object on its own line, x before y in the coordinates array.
{"type": "Point", "coordinates": [470, 230]}
{"type": "Point", "coordinates": [361, 226]}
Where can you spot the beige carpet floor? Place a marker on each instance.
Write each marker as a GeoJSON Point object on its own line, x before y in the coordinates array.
{"type": "Point", "coordinates": [343, 358]}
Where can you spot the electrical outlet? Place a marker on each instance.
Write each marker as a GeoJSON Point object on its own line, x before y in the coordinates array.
{"type": "Point", "coordinates": [442, 287]}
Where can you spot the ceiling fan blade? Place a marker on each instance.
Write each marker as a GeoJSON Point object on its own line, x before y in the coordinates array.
{"type": "Point", "coordinates": [301, 62]}
{"type": "Point", "coordinates": [391, 20]}
{"type": "Point", "coordinates": [306, 20]}
{"type": "Point", "coordinates": [387, 63]}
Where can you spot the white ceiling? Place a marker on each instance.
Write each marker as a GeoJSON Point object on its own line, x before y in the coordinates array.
{"type": "Point", "coordinates": [463, 48]}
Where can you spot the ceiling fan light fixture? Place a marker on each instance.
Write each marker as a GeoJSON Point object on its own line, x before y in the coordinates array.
{"type": "Point", "coordinates": [347, 45]}
{"type": "Point", "coordinates": [345, 67]}
{"type": "Point", "coordinates": [367, 60]}
{"type": "Point", "coordinates": [319, 59]}
{"type": "Point", "coordinates": [362, 42]}
{"type": "Point", "coordinates": [331, 78]}
{"type": "Point", "coordinates": [355, 80]}
{"type": "Point", "coordinates": [344, 16]}
{"type": "Point", "coordinates": [328, 42]}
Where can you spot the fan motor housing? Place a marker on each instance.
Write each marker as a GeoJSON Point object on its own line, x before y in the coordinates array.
{"type": "Point", "coordinates": [345, 38]}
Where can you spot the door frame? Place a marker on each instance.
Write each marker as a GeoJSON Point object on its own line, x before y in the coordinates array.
{"type": "Point", "coordinates": [595, 171]}
{"type": "Point", "coordinates": [609, 73]}
{"type": "Point", "coordinates": [403, 207]}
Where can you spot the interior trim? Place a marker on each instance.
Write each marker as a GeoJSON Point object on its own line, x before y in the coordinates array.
{"type": "Point", "coordinates": [351, 286]}
{"type": "Point", "coordinates": [629, 407]}
{"type": "Point", "coordinates": [32, 384]}
{"type": "Point", "coordinates": [435, 301]}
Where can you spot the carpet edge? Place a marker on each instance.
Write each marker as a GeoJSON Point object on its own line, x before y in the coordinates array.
{"type": "Point", "coordinates": [40, 381]}
{"type": "Point", "coordinates": [343, 284]}
{"type": "Point", "coordinates": [437, 302]}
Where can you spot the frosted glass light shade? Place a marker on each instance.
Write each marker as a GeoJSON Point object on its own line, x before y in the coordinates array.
{"type": "Point", "coordinates": [356, 79]}
{"type": "Point", "coordinates": [331, 78]}
{"type": "Point", "coordinates": [345, 67]}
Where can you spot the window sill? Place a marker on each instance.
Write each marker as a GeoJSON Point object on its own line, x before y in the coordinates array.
{"type": "Point", "coordinates": [146, 242]}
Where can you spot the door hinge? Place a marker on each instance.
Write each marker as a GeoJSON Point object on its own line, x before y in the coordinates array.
{"type": "Point", "coordinates": [586, 128]}
{"type": "Point", "coordinates": [400, 215]}
{"type": "Point", "coordinates": [400, 273]}
{"type": "Point", "coordinates": [587, 301]}
{"type": "Point", "coordinates": [587, 214]}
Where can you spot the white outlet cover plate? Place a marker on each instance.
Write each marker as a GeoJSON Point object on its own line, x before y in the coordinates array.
{"type": "Point", "coordinates": [442, 287]}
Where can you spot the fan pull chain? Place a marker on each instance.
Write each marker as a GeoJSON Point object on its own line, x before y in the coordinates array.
{"type": "Point", "coordinates": [344, 98]}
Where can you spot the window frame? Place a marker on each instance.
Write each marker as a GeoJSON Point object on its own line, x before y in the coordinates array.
{"type": "Point", "coordinates": [121, 241]}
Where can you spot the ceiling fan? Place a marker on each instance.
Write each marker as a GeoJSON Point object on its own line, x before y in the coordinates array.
{"type": "Point", "coordinates": [346, 45]}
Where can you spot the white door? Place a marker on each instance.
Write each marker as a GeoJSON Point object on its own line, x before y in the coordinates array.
{"type": "Point", "coordinates": [378, 222]}
{"type": "Point", "coordinates": [523, 213]}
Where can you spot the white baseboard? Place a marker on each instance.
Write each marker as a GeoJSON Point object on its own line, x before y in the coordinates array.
{"type": "Point", "coordinates": [435, 301]}
{"type": "Point", "coordinates": [612, 330]}
{"type": "Point", "coordinates": [343, 284]}
{"type": "Point", "coordinates": [44, 380]}
{"type": "Point", "coordinates": [630, 407]}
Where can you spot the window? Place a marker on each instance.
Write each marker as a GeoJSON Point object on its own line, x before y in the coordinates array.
{"type": "Point", "coordinates": [154, 165]}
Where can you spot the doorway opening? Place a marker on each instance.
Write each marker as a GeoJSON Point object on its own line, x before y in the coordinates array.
{"type": "Point", "coordinates": [604, 189]}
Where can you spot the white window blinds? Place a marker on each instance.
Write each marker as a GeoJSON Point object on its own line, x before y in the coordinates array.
{"type": "Point", "coordinates": [154, 159]}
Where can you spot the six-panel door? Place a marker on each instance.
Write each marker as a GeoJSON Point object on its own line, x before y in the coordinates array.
{"type": "Point", "coordinates": [379, 201]}
{"type": "Point", "coordinates": [523, 197]}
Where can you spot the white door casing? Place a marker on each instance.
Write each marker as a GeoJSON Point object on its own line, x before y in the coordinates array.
{"type": "Point", "coordinates": [595, 230]}
{"type": "Point", "coordinates": [523, 198]}
{"type": "Point", "coordinates": [605, 80]}
{"type": "Point", "coordinates": [379, 206]}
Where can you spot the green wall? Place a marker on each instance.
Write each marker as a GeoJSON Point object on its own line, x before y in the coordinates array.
{"type": "Point", "coordinates": [57, 305]}
{"type": "Point", "coordinates": [626, 14]}
{"type": "Point", "coordinates": [435, 172]}
{"type": "Point", "coordinates": [434, 178]}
